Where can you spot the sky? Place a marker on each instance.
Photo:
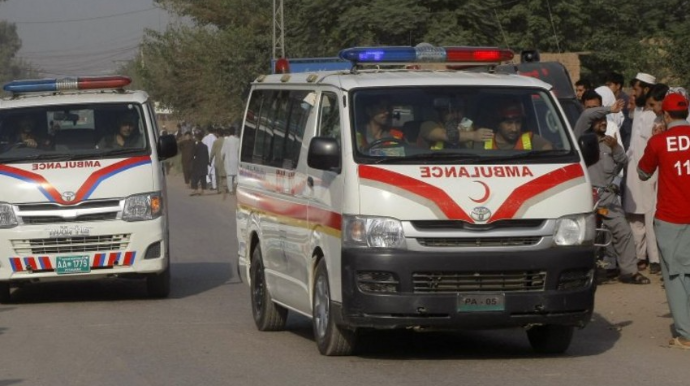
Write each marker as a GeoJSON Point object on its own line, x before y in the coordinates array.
{"type": "Point", "coordinates": [82, 37]}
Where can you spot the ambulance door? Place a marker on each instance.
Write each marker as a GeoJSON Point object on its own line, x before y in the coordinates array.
{"type": "Point", "coordinates": [291, 180]}
{"type": "Point", "coordinates": [327, 194]}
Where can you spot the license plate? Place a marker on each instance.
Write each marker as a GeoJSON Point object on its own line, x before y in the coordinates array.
{"type": "Point", "coordinates": [72, 264]}
{"type": "Point", "coordinates": [481, 303]}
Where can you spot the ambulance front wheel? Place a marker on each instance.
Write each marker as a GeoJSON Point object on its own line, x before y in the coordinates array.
{"type": "Point", "coordinates": [158, 285]}
{"type": "Point", "coordinates": [5, 296]}
{"type": "Point", "coordinates": [268, 316]}
{"type": "Point", "coordinates": [331, 339]}
{"type": "Point", "coordinates": [550, 339]}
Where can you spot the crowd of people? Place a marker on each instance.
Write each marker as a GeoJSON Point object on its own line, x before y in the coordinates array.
{"type": "Point", "coordinates": [642, 182]}
{"type": "Point", "coordinates": [207, 159]}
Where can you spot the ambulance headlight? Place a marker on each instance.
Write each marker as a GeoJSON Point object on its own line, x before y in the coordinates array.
{"type": "Point", "coordinates": [375, 232]}
{"type": "Point", "coordinates": [142, 207]}
{"type": "Point", "coordinates": [7, 217]}
{"type": "Point", "coordinates": [575, 230]}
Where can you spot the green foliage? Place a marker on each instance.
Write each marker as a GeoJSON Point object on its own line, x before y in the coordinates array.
{"type": "Point", "coordinates": [203, 68]}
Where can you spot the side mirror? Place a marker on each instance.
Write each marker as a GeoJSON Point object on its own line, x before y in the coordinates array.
{"type": "Point", "coordinates": [167, 146]}
{"type": "Point", "coordinates": [589, 145]}
{"type": "Point", "coordinates": [324, 154]}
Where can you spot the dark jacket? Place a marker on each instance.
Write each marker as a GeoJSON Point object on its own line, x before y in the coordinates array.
{"type": "Point", "coordinates": [200, 161]}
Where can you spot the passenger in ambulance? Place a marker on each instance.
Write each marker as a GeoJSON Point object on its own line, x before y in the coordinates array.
{"type": "Point", "coordinates": [509, 134]}
{"type": "Point", "coordinates": [452, 129]}
{"type": "Point", "coordinates": [127, 135]}
{"type": "Point", "coordinates": [377, 129]}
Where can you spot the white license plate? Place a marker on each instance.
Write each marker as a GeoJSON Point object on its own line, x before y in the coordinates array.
{"type": "Point", "coordinates": [481, 303]}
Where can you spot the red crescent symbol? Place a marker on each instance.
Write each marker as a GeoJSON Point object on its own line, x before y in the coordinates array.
{"type": "Point", "coordinates": [487, 192]}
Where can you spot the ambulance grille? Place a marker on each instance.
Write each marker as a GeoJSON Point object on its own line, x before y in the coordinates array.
{"type": "Point", "coordinates": [478, 242]}
{"type": "Point", "coordinates": [51, 213]}
{"type": "Point", "coordinates": [452, 282]}
{"type": "Point", "coordinates": [71, 244]}
{"type": "Point", "coordinates": [33, 220]}
{"type": "Point", "coordinates": [457, 224]}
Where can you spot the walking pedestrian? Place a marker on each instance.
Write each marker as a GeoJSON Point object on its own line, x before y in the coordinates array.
{"type": "Point", "coordinates": [208, 141]}
{"type": "Point", "coordinates": [231, 152]}
{"type": "Point", "coordinates": [637, 194]}
{"type": "Point", "coordinates": [199, 165]}
{"type": "Point", "coordinates": [186, 148]}
{"type": "Point", "coordinates": [668, 152]}
{"type": "Point", "coordinates": [218, 164]}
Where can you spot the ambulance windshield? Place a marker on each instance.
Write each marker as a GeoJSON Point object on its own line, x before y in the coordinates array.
{"type": "Point", "coordinates": [72, 132]}
{"type": "Point", "coordinates": [446, 124]}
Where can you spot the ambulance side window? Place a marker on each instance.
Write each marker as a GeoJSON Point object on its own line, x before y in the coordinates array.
{"type": "Point", "coordinates": [300, 108]}
{"type": "Point", "coordinates": [329, 116]}
{"type": "Point", "coordinates": [274, 127]}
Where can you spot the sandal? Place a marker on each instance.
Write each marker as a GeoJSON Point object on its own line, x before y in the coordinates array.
{"type": "Point", "coordinates": [641, 265]}
{"type": "Point", "coordinates": [680, 343]}
{"type": "Point", "coordinates": [636, 278]}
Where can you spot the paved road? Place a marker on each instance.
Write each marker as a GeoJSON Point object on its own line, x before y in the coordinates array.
{"type": "Point", "coordinates": [108, 333]}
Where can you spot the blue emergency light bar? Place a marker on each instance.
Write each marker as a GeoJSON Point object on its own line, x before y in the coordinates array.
{"type": "Point", "coordinates": [64, 84]}
{"type": "Point", "coordinates": [426, 53]}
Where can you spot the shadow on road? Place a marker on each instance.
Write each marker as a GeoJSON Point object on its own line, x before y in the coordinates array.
{"type": "Point", "coordinates": [8, 382]}
{"type": "Point", "coordinates": [598, 337]}
{"type": "Point", "coordinates": [188, 279]}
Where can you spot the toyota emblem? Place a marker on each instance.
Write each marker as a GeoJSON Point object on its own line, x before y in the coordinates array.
{"type": "Point", "coordinates": [480, 214]}
{"type": "Point", "coordinates": [69, 196]}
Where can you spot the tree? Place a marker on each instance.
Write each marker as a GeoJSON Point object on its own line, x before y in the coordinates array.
{"type": "Point", "coordinates": [10, 66]}
{"type": "Point", "coordinates": [203, 68]}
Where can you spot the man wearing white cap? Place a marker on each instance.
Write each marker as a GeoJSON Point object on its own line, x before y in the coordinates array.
{"type": "Point", "coordinates": [637, 194]}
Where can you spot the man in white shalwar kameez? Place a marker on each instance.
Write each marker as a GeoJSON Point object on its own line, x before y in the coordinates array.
{"type": "Point", "coordinates": [208, 141]}
{"type": "Point", "coordinates": [231, 153]}
{"type": "Point", "coordinates": [639, 197]}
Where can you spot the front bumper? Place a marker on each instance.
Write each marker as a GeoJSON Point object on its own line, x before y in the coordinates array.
{"type": "Point", "coordinates": [553, 286]}
{"type": "Point", "coordinates": [113, 248]}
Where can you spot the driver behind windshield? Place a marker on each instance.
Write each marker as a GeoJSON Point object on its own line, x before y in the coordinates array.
{"type": "Point", "coordinates": [378, 127]}
{"type": "Point", "coordinates": [27, 134]}
{"type": "Point", "coordinates": [509, 134]}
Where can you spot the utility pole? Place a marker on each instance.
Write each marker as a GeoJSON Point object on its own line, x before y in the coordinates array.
{"type": "Point", "coordinates": [278, 30]}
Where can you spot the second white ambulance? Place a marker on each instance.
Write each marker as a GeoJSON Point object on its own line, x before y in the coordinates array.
{"type": "Point", "coordinates": [399, 196]}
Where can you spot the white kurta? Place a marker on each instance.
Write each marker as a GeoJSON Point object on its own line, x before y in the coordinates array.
{"type": "Point", "coordinates": [231, 152]}
{"type": "Point", "coordinates": [639, 196]}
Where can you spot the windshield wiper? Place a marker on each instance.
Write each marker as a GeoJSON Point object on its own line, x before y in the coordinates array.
{"type": "Point", "coordinates": [37, 157]}
{"type": "Point", "coordinates": [432, 156]}
{"type": "Point", "coordinates": [534, 154]}
{"type": "Point", "coordinates": [125, 151]}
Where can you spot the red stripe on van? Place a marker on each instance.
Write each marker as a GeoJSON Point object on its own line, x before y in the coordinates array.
{"type": "Point", "coordinates": [537, 186]}
{"type": "Point", "coordinates": [439, 197]}
{"type": "Point", "coordinates": [285, 208]}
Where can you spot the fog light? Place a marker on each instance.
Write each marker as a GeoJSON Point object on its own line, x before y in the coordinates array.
{"type": "Point", "coordinates": [377, 281]}
{"type": "Point", "coordinates": [575, 279]}
{"type": "Point", "coordinates": [153, 251]}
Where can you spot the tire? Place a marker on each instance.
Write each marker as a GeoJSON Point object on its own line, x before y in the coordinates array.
{"type": "Point", "coordinates": [5, 297]}
{"type": "Point", "coordinates": [158, 285]}
{"type": "Point", "coordinates": [550, 339]}
{"type": "Point", "coordinates": [331, 339]}
{"type": "Point", "coordinates": [268, 316]}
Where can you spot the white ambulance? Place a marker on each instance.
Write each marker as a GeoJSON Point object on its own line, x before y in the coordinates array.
{"type": "Point", "coordinates": [83, 190]}
{"type": "Point", "coordinates": [400, 194]}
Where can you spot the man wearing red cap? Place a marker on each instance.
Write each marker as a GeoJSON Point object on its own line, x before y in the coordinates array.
{"type": "Point", "coordinates": [669, 151]}
{"type": "Point", "coordinates": [509, 133]}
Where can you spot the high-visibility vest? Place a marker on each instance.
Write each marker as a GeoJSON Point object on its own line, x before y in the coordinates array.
{"type": "Point", "coordinates": [362, 139]}
{"type": "Point", "coordinates": [525, 142]}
